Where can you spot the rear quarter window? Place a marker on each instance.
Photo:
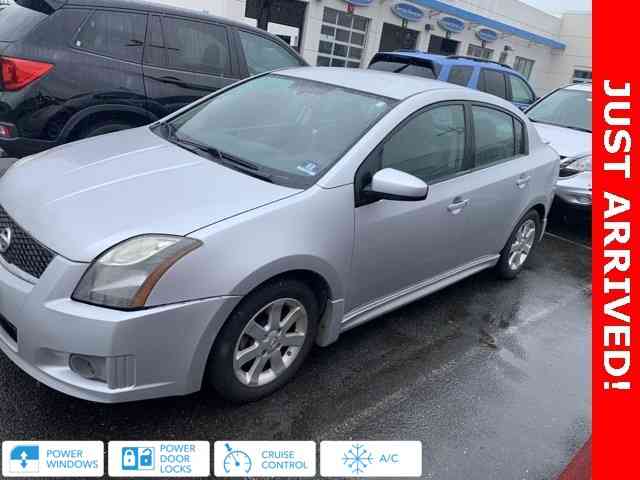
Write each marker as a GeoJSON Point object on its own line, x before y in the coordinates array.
{"type": "Point", "coordinates": [263, 55]}
{"type": "Point", "coordinates": [17, 21]}
{"type": "Point", "coordinates": [115, 34]}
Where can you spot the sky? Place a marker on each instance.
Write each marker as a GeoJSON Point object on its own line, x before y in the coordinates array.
{"type": "Point", "coordinates": [558, 7]}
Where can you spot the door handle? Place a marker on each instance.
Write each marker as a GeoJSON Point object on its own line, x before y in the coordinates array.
{"type": "Point", "coordinates": [523, 181]}
{"type": "Point", "coordinates": [458, 205]}
{"type": "Point", "coordinates": [173, 81]}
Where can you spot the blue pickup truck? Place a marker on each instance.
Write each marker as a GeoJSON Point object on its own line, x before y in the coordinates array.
{"type": "Point", "coordinates": [477, 73]}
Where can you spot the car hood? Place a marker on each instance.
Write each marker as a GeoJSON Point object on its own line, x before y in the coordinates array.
{"type": "Point", "coordinates": [565, 141]}
{"type": "Point", "coordinates": [82, 198]}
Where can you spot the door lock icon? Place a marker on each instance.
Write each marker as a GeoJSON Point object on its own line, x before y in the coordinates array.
{"type": "Point", "coordinates": [138, 458]}
{"type": "Point", "coordinates": [130, 459]}
{"type": "Point", "coordinates": [146, 459]}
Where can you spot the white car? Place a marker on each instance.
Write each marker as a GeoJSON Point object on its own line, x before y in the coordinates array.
{"type": "Point", "coordinates": [563, 119]}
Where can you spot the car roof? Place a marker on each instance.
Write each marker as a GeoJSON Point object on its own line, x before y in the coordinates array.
{"type": "Point", "coordinates": [161, 8]}
{"type": "Point", "coordinates": [384, 84]}
{"type": "Point", "coordinates": [580, 87]}
{"type": "Point", "coordinates": [451, 60]}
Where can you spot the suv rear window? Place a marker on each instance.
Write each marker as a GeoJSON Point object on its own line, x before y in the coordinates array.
{"type": "Point", "coordinates": [16, 21]}
{"type": "Point", "coordinates": [426, 70]}
{"type": "Point", "coordinates": [263, 55]}
{"type": "Point", "coordinates": [118, 35]}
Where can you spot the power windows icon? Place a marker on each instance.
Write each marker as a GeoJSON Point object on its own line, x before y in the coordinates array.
{"type": "Point", "coordinates": [25, 459]}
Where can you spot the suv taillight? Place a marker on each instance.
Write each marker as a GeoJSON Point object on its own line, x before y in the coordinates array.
{"type": "Point", "coordinates": [17, 73]}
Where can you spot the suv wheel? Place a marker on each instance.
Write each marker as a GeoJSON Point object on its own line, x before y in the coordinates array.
{"type": "Point", "coordinates": [103, 128]}
{"type": "Point", "coordinates": [264, 342]}
{"type": "Point", "coordinates": [515, 254]}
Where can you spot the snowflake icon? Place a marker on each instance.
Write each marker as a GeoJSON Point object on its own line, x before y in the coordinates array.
{"type": "Point", "coordinates": [357, 458]}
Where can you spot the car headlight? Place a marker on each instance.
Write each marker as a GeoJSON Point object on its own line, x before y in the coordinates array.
{"type": "Point", "coordinates": [578, 164]}
{"type": "Point", "coordinates": [124, 276]}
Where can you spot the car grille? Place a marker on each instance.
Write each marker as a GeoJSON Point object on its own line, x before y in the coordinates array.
{"type": "Point", "coordinates": [24, 251]}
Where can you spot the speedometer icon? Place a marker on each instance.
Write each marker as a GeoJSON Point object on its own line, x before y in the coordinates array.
{"type": "Point", "coordinates": [236, 461]}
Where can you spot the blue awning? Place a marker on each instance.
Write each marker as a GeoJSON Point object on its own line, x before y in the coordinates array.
{"type": "Point", "coordinates": [488, 22]}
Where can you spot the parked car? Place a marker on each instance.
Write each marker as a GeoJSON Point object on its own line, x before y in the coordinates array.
{"type": "Point", "coordinates": [73, 69]}
{"type": "Point", "coordinates": [218, 245]}
{"type": "Point", "coordinates": [563, 119]}
{"type": "Point", "coordinates": [477, 73]}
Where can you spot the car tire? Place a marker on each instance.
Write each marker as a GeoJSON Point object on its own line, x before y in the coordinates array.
{"type": "Point", "coordinates": [238, 382]}
{"type": "Point", "coordinates": [519, 247]}
{"type": "Point", "coordinates": [103, 129]}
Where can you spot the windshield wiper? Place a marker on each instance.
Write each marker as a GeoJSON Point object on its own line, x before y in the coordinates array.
{"type": "Point", "coordinates": [222, 157]}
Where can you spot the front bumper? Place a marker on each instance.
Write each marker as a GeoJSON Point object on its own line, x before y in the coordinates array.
{"type": "Point", "coordinates": [575, 191]}
{"type": "Point", "coordinates": [150, 353]}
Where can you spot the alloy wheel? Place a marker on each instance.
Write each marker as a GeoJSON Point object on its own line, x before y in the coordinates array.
{"type": "Point", "coordinates": [270, 342]}
{"type": "Point", "coordinates": [522, 244]}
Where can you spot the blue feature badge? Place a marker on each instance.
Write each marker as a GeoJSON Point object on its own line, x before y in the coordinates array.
{"type": "Point", "coordinates": [25, 459]}
{"type": "Point", "coordinates": [310, 168]}
{"type": "Point", "coordinates": [135, 458]}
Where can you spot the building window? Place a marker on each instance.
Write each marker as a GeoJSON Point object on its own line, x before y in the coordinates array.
{"type": "Point", "coordinates": [581, 76]}
{"type": "Point", "coordinates": [524, 66]}
{"type": "Point", "coordinates": [480, 52]}
{"type": "Point", "coordinates": [342, 39]}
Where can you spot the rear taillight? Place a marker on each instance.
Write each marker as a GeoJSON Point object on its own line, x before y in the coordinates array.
{"type": "Point", "coordinates": [17, 73]}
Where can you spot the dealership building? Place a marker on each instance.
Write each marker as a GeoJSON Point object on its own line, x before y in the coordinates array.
{"type": "Point", "coordinates": [550, 50]}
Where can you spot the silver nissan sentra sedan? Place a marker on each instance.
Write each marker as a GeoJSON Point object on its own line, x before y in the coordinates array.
{"type": "Point", "coordinates": [216, 246]}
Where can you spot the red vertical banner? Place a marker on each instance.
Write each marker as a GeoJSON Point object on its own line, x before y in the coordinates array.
{"type": "Point", "coordinates": [616, 205]}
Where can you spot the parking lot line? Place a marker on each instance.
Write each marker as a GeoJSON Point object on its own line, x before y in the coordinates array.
{"type": "Point", "coordinates": [567, 240]}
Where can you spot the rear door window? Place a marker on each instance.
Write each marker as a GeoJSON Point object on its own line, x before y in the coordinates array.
{"type": "Point", "coordinates": [493, 82]}
{"type": "Point", "coordinates": [495, 136]}
{"type": "Point", "coordinates": [192, 46]}
{"type": "Point", "coordinates": [115, 34]}
{"type": "Point", "coordinates": [263, 55]}
{"type": "Point", "coordinates": [17, 21]}
{"type": "Point", "coordinates": [460, 75]}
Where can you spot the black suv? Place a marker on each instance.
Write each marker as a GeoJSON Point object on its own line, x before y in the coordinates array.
{"type": "Point", "coordinates": [71, 69]}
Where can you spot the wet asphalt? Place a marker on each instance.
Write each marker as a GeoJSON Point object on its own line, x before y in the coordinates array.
{"type": "Point", "coordinates": [492, 376]}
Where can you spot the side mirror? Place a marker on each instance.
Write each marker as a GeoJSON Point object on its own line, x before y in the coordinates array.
{"type": "Point", "coordinates": [392, 184]}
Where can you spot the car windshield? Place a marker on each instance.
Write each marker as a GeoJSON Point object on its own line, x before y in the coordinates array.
{"type": "Point", "coordinates": [287, 130]}
{"type": "Point", "coordinates": [564, 108]}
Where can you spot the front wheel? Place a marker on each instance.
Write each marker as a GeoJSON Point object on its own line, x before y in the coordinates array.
{"type": "Point", "coordinates": [264, 342]}
{"type": "Point", "coordinates": [518, 250]}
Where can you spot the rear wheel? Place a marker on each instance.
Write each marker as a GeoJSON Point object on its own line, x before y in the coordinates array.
{"type": "Point", "coordinates": [264, 342]}
{"type": "Point", "coordinates": [518, 250]}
